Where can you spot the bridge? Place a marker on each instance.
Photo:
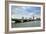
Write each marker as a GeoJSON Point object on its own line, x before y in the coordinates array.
{"type": "Point", "coordinates": [22, 20]}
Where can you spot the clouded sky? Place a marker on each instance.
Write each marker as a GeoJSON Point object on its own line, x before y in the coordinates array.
{"type": "Point", "coordinates": [25, 11]}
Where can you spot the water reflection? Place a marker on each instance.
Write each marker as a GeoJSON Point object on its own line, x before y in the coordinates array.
{"type": "Point", "coordinates": [26, 24]}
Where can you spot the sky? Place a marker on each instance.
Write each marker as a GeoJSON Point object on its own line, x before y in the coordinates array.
{"type": "Point", "coordinates": [25, 11]}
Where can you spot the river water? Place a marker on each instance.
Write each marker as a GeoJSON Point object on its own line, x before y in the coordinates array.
{"type": "Point", "coordinates": [26, 24]}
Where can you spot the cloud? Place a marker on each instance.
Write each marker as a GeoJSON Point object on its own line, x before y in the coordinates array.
{"type": "Point", "coordinates": [25, 11]}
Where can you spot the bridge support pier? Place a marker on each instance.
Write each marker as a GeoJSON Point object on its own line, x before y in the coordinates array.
{"type": "Point", "coordinates": [21, 21]}
{"type": "Point", "coordinates": [27, 20]}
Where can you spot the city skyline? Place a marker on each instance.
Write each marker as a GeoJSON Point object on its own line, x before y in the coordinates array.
{"type": "Point", "coordinates": [25, 11]}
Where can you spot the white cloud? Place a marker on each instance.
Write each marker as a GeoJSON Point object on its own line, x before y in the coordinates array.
{"type": "Point", "coordinates": [19, 16]}
{"type": "Point", "coordinates": [22, 12]}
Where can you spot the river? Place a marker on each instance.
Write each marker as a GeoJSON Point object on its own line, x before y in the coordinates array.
{"type": "Point", "coordinates": [26, 24]}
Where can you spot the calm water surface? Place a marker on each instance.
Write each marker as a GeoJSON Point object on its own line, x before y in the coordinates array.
{"type": "Point", "coordinates": [26, 24]}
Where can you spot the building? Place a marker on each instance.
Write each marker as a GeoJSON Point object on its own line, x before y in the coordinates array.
{"type": "Point", "coordinates": [22, 17]}
{"type": "Point", "coordinates": [33, 17]}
